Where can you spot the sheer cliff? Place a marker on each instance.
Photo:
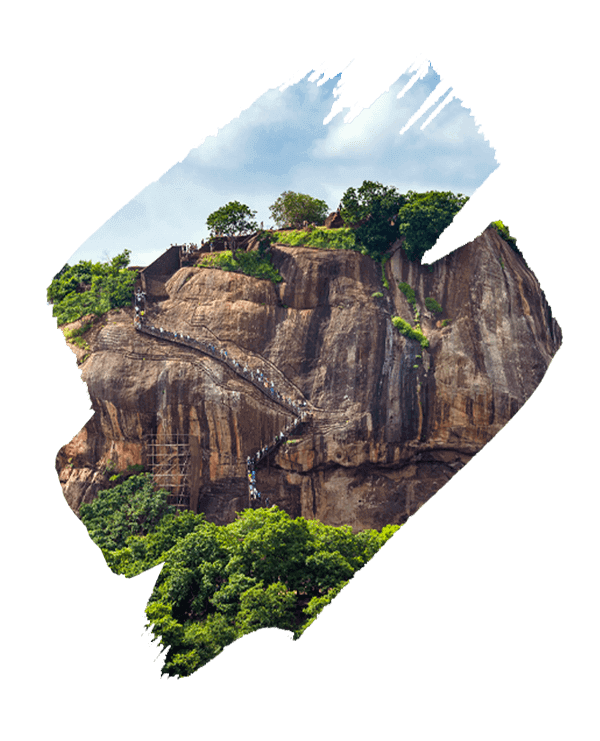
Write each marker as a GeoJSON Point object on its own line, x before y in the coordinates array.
{"type": "Point", "coordinates": [386, 422]}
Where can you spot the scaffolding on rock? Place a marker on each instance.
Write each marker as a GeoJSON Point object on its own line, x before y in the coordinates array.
{"type": "Point", "coordinates": [168, 459]}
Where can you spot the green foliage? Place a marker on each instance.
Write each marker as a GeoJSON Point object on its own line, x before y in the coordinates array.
{"type": "Point", "coordinates": [250, 263]}
{"type": "Point", "coordinates": [293, 209]}
{"type": "Point", "coordinates": [371, 211]}
{"type": "Point", "coordinates": [265, 240]}
{"type": "Point", "coordinates": [129, 471]}
{"type": "Point", "coordinates": [133, 507]}
{"type": "Point", "coordinates": [424, 216]}
{"type": "Point", "coordinates": [323, 239]}
{"type": "Point", "coordinates": [404, 328]}
{"type": "Point", "coordinates": [445, 322]}
{"type": "Point", "coordinates": [409, 293]}
{"type": "Point", "coordinates": [91, 288]}
{"type": "Point", "coordinates": [377, 294]}
{"type": "Point", "coordinates": [384, 280]}
{"type": "Point", "coordinates": [73, 334]}
{"type": "Point", "coordinates": [265, 569]}
{"type": "Point", "coordinates": [433, 305]}
{"type": "Point", "coordinates": [266, 607]}
{"type": "Point", "coordinates": [504, 232]}
{"type": "Point", "coordinates": [231, 219]}
{"type": "Point", "coordinates": [315, 606]}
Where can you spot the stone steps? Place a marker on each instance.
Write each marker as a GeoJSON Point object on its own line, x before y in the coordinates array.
{"type": "Point", "coordinates": [113, 338]}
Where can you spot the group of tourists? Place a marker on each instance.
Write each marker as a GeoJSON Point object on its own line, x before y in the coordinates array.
{"type": "Point", "coordinates": [257, 377]}
{"type": "Point", "coordinates": [253, 460]}
{"type": "Point", "coordinates": [187, 249]}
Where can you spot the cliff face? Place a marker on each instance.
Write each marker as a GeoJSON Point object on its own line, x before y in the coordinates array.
{"type": "Point", "coordinates": [388, 421]}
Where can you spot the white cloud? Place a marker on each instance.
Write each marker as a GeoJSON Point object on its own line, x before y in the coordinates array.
{"type": "Point", "coordinates": [231, 147]}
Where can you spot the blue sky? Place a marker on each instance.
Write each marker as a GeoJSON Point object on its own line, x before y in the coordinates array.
{"type": "Point", "coordinates": [282, 143]}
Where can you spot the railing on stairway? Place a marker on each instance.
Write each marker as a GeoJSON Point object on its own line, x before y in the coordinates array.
{"type": "Point", "coordinates": [256, 377]}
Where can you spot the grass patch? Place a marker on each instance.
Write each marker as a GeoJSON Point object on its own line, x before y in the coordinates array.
{"type": "Point", "coordinates": [248, 263]}
{"type": "Point", "coordinates": [377, 294]}
{"type": "Point", "coordinates": [405, 329]}
{"type": "Point", "coordinates": [74, 336]}
{"type": "Point", "coordinates": [319, 238]}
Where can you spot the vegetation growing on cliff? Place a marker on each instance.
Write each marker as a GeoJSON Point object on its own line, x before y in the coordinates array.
{"type": "Point", "coordinates": [433, 305]}
{"type": "Point", "coordinates": [402, 325]}
{"type": "Point", "coordinates": [320, 238]}
{"type": "Point", "coordinates": [218, 583]}
{"type": "Point", "coordinates": [251, 263]}
{"type": "Point", "coordinates": [411, 332]}
{"type": "Point", "coordinates": [504, 232]}
{"type": "Point", "coordinates": [91, 288]}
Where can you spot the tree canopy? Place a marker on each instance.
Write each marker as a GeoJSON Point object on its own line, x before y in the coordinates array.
{"type": "Point", "coordinates": [91, 288]}
{"type": "Point", "coordinates": [133, 507]}
{"type": "Point", "coordinates": [424, 216]}
{"type": "Point", "coordinates": [231, 219]}
{"type": "Point", "coordinates": [218, 583]}
{"type": "Point", "coordinates": [380, 214]}
{"type": "Point", "coordinates": [293, 209]}
{"type": "Point", "coordinates": [371, 210]}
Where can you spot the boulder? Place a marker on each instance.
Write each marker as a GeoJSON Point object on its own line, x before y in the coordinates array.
{"type": "Point", "coordinates": [389, 422]}
{"type": "Point", "coordinates": [334, 220]}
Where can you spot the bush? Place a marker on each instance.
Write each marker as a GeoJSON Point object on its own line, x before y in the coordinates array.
{"type": "Point", "coordinates": [433, 305]}
{"type": "Point", "coordinates": [384, 280]}
{"type": "Point", "coordinates": [323, 239]}
{"type": "Point", "coordinates": [409, 293]}
{"type": "Point", "coordinates": [249, 263]}
{"type": "Point", "coordinates": [377, 294]}
{"type": "Point", "coordinates": [405, 329]}
{"type": "Point", "coordinates": [91, 288]}
{"type": "Point", "coordinates": [504, 232]}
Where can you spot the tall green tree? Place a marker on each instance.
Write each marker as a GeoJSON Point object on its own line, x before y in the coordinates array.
{"type": "Point", "coordinates": [231, 220]}
{"type": "Point", "coordinates": [424, 216]}
{"type": "Point", "coordinates": [372, 210]}
{"type": "Point", "coordinates": [293, 209]}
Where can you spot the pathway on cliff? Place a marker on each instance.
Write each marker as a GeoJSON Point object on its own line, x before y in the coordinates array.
{"type": "Point", "coordinates": [255, 377]}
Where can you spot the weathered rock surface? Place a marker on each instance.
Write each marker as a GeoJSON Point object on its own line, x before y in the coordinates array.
{"type": "Point", "coordinates": [334, 220]}
{"type": "Point", "coordinates": [390, 422]}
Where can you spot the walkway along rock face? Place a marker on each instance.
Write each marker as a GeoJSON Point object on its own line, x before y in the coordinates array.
{"type": "Point", "coordinates": [375, 423]}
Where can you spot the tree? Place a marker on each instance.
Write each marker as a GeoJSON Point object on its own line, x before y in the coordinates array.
{"type": "Point", "coordinates": [296, 208]}
{"type": "Point", "coordinates": [133, 507]}
{"type": "Point", "coordinates": [231, 220]}
{"type": "Point", "coordinates": [371, 211]}
{"type": "Point", "coordinates": [91, 288]}
{"type": "Point", "coordinates": [424, 216]}
{"type": "Point", "coordinates": [220, 582]}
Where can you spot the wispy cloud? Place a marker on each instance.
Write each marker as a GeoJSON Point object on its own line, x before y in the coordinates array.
{"type": "Point", "coordinates": [282, 143]}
